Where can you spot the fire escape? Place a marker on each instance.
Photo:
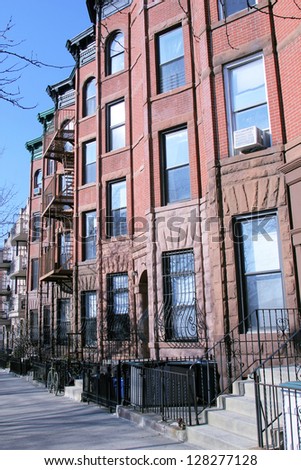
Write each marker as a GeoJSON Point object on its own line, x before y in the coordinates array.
{"type": "Point", "coordinates": [57, 202]}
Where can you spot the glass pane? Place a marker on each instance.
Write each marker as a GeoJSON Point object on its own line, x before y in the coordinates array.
{"type": "Point", "coordinates": [118, 225]}
{"type": "Point", "coordinates": [117, 63]}
{"type": "Point", "coordinates": [90, 152]}
{"type": "Point", "coordinates": [90, 173]}
{"type": "Point", "coordinates": [176, 148]}
{"type": "Point", "coordinates": [117, 114]}
{"type": "Point", "coordinates": [90, 89]}
{"type": "Point", "coordinates": [260, 245]}
{"type": "Point", "coordinates": [248, 85]}
{"type": "Point", "coordinates": [233, 6]}
{"type": "Point", "coordinates": [118, 195]}
{"type": "Point", "coordinates": [172, 75]}
{"type": "Point", "coordinates": [117, 45]}
{"type": "Point", "coordinates": [178, 184]}
{"type": "Point", "coordinates": [171, 45]}
{"type": "Point", "coordinates": [117, 138]}
{"type": "Point", "coordinates": [264, 292]}
{"type": "Point", "coordinates": [91, 305]}
{"type": "Point", "coordinates": [252, 117]}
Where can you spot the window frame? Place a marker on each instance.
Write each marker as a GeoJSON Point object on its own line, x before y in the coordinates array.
{"type": "Point", "coordinates": [110, 220]}
{"type": "Point", "coordinates": [36, 227]}
{"type": "Point", "coordinates": [242, 276]}
{"type": "Point", "coordinates": [167, 170]}
{"type": "Point", "coordinates": [89, 98]}
{"type": "Point", "coordinates": [34, 278]}
{"type": "Point", "coordinates": [87, 240]}
{"type": "Point", "coordinates": [223, 9]}
{"type": "Point", "coordinates": [63, 327]}
{"type": "Point", "coordinates": [160, 64]}
{"type": "Point", "coordinates": [87, 166]}
{"type": "Point", "coordinates": [111, 128]}
{"type": "Point", "coordinates": [109, 56]}
{"type": "Point", "coordinates": [228, 68]}
{"type": "Point", "coordinates": [180, 318]}
{"type": "Point", "coordinates": [88, 321]}
{"type": "Point", "coordinates": [37, 182]}
{"type": "Point", "coordinates": [118, 322]}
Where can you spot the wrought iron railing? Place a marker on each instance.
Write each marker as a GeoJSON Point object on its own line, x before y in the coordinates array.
{"type": "Point", "coordinates": [283, 366]}
{"type": "Point", "coordinates": [58, 193]}
{"type": "Point", "coordinates": [245, 347]}
{"type": "Point", "coordinates": [182, 325]}
{"type": "Point", "coordinates": [58, 133]}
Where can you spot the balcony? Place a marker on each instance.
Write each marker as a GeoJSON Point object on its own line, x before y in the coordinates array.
{"type": "Point", "coordinates": [19, 232]}
{"type": "Point", "coordinates": [56, 265]}
{"type": "Point", "coordinates": [18, 267]}
{"type": "Point", "coordinates": [58, 142]}
{"type": "Point", "coordinates": [5, 258]}
{"type": "Point", "coordinates": [57, 201]}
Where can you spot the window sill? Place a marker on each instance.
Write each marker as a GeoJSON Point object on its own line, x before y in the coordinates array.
{"type": "Point", "coordinates": [86, 186]}
{"type": "Point", "coordinates": [86, 118]}
{"type": "Point", "coordinates": [269, 151]}
{"type": "Point", "coordinates": [169, 93]}
{"type": "Point", "coordinates": [111, 153]}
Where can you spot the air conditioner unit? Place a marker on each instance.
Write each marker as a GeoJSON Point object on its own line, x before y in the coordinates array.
{"type": "Point", "coordinates": [249, 139]}
{"type": "Point", "coordinates": [37, 191]}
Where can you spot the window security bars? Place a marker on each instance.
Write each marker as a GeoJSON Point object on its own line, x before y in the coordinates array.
{"type": "Point", "coordinates": [89, 322]}
{"type": "Point", "coordinates": [179, 320]}
{"type": "Point", "coordinates": [118, 320]}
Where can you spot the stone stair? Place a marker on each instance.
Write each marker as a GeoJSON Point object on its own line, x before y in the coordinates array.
{"type": "Point", "coordinates": [232, 424]}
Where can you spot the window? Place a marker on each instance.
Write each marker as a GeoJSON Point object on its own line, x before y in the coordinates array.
{"type": "Point", "coordinates": [118, 307]}
{"type": "Point", "coordinates": [116, 220]}
{"type": "Point", "coordinates": [246, 95]}
{"type": "Point", "coordinates": [259, 270]}
{"type": "Point", "coordinates": [50, 166]}
{"type": "Point", "coordinates": [34, 326]}
{"type": "Point", "coordinates": [37, 183]}
{"type": "Point", "coordinates": [229, 7]}
{"type": "Point", "coordinates": [179, 296]}
{"type": "Point", "coordinates": [115, 53]}
{"type": "Point", "coordinates": [176, 171]}
{"type": "Point", "coordinates": [63, 321]}
{"type": "Point", "coordinates": [171, 60]}
{"type": "Point", "coordinates": [36, 226]}
{"type": "Point", "coordinates": [89, 106]}
{"type": "Point", "coordinates": [89, 235]}
{"type": "Point", "coordinates": [89, 310]}
{"type": "Point", "coordinates": [116, 125]}
{"type": "Point", "coordinates": [65, 250]}
{"type": "Point", "coordinates": [34, 274]}
{"type": "Point", "coordinates": [46, 325]}
{"type": "Point", "coordinates": [89, 162]}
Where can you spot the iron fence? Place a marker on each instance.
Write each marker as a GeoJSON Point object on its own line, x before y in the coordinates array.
{"type": "Point", "coordinates": [103, 384]}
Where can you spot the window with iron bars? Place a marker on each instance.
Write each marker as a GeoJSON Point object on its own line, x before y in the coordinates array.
{"type": "Point", "coordinates": [179, 296]}
{"type": "Point", "coordinates": [89, 322]}
{"type": "Point", "coordinates": [118, 320]}
{"type": "Point", "coordinates": [63, 321]}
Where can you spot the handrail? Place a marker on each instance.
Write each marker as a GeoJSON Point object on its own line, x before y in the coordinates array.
{"type": "Point", "coordinates": [243, 348]}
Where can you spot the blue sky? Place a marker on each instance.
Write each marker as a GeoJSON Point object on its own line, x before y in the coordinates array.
{"type": "Point", "coordinates": [43, 27]}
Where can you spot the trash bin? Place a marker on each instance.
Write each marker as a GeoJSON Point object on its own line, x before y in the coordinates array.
{"type": "Point", "coordinates": [291, 400]}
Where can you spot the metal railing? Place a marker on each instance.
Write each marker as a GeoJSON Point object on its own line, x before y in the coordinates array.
{"type": "Point", "coordinates": [53, 262]}
{"type": "Point", "coordinates": [283, 366]}
{"type": "Point", "coordinates": [57, 133]}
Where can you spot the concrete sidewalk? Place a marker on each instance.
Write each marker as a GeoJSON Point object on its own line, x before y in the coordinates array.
{"type": "Point", "coordinates": [31, 419]}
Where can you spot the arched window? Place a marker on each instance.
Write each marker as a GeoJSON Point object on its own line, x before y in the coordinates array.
{"type": "Point", "coordinates": [89, 105]}
{"type": "Point", "coordinates": [37, 183]}
{"type": "Point", "coordinates": [115, 53]}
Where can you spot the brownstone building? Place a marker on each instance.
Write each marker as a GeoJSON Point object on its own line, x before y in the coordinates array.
{"type": "Point", "coordinates": [160, 211]}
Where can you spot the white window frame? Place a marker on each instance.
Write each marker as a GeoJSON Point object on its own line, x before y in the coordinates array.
{"type": "Point", "coordinates": [229, 98]}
